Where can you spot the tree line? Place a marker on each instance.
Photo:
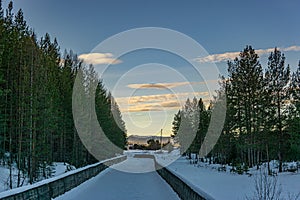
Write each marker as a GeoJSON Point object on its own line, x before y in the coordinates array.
{"type": "Point", "coordinates": [151, 145]}
{"type": "Point", "coordinates": [193, 118]}
{"type": "Point", "coordinates": [263, 112]}
{"type": "Point", "coordinates": [36, 85]}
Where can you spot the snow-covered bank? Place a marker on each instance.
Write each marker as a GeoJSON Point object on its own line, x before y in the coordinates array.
{"type": "Point", "coordinates": [60, 177]}
{"type": "Point", "coordinates": [57, 168]}
{"type": "Point", "coordinates": [226, 185]}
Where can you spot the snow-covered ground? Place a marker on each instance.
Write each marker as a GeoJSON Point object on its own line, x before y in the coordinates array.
{"type": "Point", "coordinates": [226, 185]}
{"type": "Point", "coordinates": [4, 178]}
{"type": "Point", "coordinates": [140, 182]}
{"type": "Point", "coordinates": [136, 178]}
{"type": "Point", "coordinates": [46, 181]}
{"type": "Point", "coordinates": [57, 169]}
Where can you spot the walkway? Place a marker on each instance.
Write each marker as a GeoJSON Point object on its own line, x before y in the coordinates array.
{"type": "Point", "coordinates": [133, 179]}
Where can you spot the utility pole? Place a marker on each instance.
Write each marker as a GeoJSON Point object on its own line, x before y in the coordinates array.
{"type": "Point", "coordinates": [161, 145]}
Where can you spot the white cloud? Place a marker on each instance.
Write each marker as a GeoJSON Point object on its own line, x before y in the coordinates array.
{"type": "Point", "coordinates": [232, 55]}
{"type": "Point", "coordinates": [218, 57]}
{"type": "Point", "coordinates": [292, 48]}
{"type": "Point", "coordinates": [99, 58]}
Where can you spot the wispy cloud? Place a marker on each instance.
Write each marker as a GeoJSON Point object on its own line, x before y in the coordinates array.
{"type": "Point", "coordinates": [158, 97]}
{"type": "Point", "coordinates": [99, 58]}
{"type": "Point", "coordinates": [157, 85]}
{"type": "Point", "coordinates": [157, 102]}
{"type": "Point", "coordinates": [151, 98]}
{"type": "Point", "coordinates": [154, 106]}
{"type": "Point", "coordinates": [292, 48]}
{"type": "Point", "coordinates": [218, 57]}
{"type": "Point", "coordinates": [232, 55]}
{"type": "Point", "coordinates": [163, 85]}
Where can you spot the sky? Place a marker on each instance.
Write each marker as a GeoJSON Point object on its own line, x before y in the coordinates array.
{"type": "Point", "coordinates": [150, 85]}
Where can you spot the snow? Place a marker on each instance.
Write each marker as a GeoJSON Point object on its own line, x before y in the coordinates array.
{"type": "Point", "coordinates": [217, 185]}
{"type": "Point", "coordinates": [58, 168]}
{"type": "Point", "coordinates": [4, 178]}
{"type": "Point", "coordinates": [61, 168]}
{"type": "Point", "coordinates": [165, 158]}
{"type": "Point", "coordinates": [46, 181]}
{"type": "Point", "coordinates": [136, 178]}
{"type": "Point", "coordinates": [134, 165]}
{"type": "Point", "coordinates": [139, 182]}
{"type": "Point", "coordinates": [226, 185]}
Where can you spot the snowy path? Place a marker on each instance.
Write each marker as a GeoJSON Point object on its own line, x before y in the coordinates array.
{"type": "Point", "coordinates": [115, 184]}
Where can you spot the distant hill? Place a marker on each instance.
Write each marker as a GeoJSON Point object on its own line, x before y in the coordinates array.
{"type": "Point", "coordinates": [137, 139]}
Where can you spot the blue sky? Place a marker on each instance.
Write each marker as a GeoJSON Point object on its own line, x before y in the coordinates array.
{"type": "Point", "coordinates": [219, 26]}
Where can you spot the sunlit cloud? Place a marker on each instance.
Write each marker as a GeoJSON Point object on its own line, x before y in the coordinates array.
{"type": "Point", "coordinates": [151, 98]}
{"type": "Point", "coordinates": [154, 106]}
{"type": "Point", "coordinates": [163, 85]}
{"type": "Point", "coordinates": [232, 55]}
{"type": "Point", "coordinates": [170, 104]}
{"type": "Point", "coordinates": [158, 102]}
{"type": "Point", "coordinates": [99, 58]}
{"type": "Point", "coordinates": [158, 97]}
{"type": "Point", "coordinates": [157, 85]}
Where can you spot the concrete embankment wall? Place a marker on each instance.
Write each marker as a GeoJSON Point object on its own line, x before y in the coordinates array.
{"type": "Point", "coordinates": [53, 187]}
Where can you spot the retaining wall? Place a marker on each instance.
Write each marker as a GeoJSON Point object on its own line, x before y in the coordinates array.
{"type": "Point", "coordinates": [184, 189]}
{"type": "Point", "coordinates": [51, 188]}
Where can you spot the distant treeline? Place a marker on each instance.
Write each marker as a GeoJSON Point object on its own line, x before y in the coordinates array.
{"type": "Point", "coordinates": [151, 145]}
{"type": "Point", "coordinates": [263, 112]}
{"type": "Point", "coordinates": [36, 84]}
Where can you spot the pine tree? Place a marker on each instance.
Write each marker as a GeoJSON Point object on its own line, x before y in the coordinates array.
{"type": "Point", "coordinates": [175, 126]}
{"type": "Point", "coordinates": [246, 78]}
{"type": "Point", "coordinates": [277, 77]}
{"type": "Point", "coordinates": [295, 89]}
{"type": "Point", "coordinates": [294, 117]}
{"type": "Point", "coordinates": [36, 87]}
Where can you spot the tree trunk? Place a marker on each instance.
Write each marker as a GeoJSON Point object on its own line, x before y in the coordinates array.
{"type": "Point", "coordinates": [280, 132]}
{"type": "Point", "coordinates": [257, 160]}
{"type": "Point", "coordinates": [268, 159]}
